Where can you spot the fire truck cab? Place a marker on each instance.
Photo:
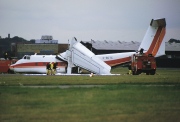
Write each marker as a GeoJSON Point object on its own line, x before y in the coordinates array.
{"type": "Point", "coordinates": [142, 62]}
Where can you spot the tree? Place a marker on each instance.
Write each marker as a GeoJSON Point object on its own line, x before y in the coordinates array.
{"type": "Point", "coordinates": [174, 41]}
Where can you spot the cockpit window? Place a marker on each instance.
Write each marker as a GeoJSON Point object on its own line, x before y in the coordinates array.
{"type": "Point", "coordinates": [26, 57]}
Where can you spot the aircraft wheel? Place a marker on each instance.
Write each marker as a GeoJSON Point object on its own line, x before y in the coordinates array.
{"type": "Point", "coordinates": [147, 72]}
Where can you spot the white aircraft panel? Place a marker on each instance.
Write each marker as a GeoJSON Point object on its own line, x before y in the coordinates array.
{"type": "Point", "coordinates": [84, 58]}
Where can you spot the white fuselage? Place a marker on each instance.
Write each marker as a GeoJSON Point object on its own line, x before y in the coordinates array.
{"type": "Point", "coordinates": [37, 64]}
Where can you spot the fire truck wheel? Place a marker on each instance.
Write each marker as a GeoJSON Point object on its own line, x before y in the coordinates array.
{"type": "Point", "coordinates": [153, 72]}
{"type": "Point", "coordinates": [133, 72]}
{"type": "Point", "coordinates": [147, 73]}
{"type": "Point", "coordinates": [138, 72]}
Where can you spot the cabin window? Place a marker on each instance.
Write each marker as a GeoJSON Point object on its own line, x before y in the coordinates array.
{"type": "Point", "coordinates": [28, 57]}
{"type": "Point", "coordinates": [24, 57]}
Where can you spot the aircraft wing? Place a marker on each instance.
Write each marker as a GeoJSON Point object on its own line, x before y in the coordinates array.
{"type": "Point", "coordinates": [80, 56]}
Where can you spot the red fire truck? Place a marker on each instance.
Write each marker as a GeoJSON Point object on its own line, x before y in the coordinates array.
{"type": "Point", "coordinates": [4, 65]}
{"type": "Point", "coordinates": [143, 63]}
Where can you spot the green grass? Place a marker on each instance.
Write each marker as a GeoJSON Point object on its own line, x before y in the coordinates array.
{"type": "Point", "coordinates": [109, 103]}
{"type": "Point", "coordinates": [163, 76]}
{"type": "Point", "coordinates": [124, 98]}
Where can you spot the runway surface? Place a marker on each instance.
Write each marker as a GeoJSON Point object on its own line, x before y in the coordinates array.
{"type": "Point", "coordinates": [64, 86]}
{"type": "Point", "coordinates": [62, 74]}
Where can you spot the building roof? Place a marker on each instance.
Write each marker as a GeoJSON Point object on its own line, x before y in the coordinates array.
{"type": "Point", "coordinates": [172, 46]}
{"type": "Point", "coordinates": [133, 45]}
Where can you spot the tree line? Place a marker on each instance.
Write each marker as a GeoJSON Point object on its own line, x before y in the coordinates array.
{"type": "Point", "coordinates": [174, 41]}
{"type": "Point", "coordinates": [6, 45]}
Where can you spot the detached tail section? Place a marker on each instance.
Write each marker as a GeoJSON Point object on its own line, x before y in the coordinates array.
{"type": "Point", "coordinates": [153, 42]}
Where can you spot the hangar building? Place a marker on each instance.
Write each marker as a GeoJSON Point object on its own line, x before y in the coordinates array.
{"type": "Point", "coordinates": [44, 46]}
{"type": "Point", "coordinates": [172, 50]}
{"type": "Point", "coordinates": [41, 49]}
{"type": "Point", "coordinates": [171, 59]}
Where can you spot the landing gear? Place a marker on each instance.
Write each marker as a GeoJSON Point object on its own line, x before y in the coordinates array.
{"type": "Point", "coordinates": [77, 70]}
{"type": "Point", "coordinates": [153, 72]}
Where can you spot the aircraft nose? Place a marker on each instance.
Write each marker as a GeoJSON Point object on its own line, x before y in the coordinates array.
{"type": "Point", "coordinates": [11, 68]}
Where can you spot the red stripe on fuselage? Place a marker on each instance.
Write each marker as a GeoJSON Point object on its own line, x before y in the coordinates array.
{"type": "Point", "coordinates": [36, 64]}
{"type": "Point", "coordinates": [118, 61]}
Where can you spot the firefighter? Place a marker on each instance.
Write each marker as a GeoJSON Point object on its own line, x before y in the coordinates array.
{"type": "Point", "coordinates": [130, 70]}
{"type": "Point", "coordinates": [47, 68]}
{"type": "Point", "coordinates": [54, 68]}
{"type": "Point", "coordinates": [141, 51]}
{"type": "Point", "coordinates": [51, 68]}
{"type": "Point", "coordinates": [5, 55]}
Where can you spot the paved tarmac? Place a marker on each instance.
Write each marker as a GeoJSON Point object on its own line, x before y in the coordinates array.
{"type": "Point", "coordinates": [61, 86]}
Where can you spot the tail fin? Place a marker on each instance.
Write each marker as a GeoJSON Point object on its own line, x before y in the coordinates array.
{"type": "Point", "coordinates": [154, 37]}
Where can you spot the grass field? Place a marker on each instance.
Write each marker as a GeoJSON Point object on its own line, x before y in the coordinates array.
{"type": "Point", "coordinates": [121, 98]}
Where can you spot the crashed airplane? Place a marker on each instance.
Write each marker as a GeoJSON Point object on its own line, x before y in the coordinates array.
{"type": "Point", "coordinates": [79, 56]}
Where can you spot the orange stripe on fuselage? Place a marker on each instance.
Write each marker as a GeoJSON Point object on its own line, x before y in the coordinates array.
{"type": "Point", "coordinates": [160, 39]}
{"type": "Point", "coordinates": [154, 47]}
{"type": "Point", "coordinates": [118, 61]}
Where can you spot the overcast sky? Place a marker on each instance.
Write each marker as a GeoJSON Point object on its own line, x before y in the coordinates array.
{"type": "Point", "coordinates": [112, 20]}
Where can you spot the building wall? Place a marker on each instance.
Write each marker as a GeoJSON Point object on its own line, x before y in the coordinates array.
{"type": "Point", "coordinates": [43, 49]}
{"type": "Point", "coordinates": [46, 41]}
{"type": "Point", "coordinates": [37, 47]}
{"type": "Point", "coordinates": [168, 62]}
{"type": "Point", "coordinates": [62, 47]}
